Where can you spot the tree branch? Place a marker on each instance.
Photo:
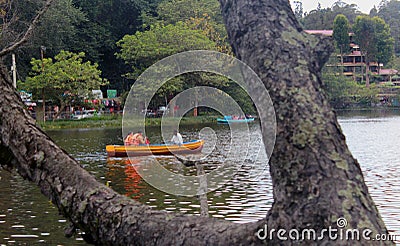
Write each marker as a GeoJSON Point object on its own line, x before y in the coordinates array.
{"type": "Point", "coordinates": [28, 32]}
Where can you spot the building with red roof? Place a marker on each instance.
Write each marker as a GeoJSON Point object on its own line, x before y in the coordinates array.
{"type": "Point", "coordinates": [353, 63]}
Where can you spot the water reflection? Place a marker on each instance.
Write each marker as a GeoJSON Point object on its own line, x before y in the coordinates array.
{"type": "Point", "coordinates": [247, 197]}
{"type": "Point", "coordinates": [123, 171]}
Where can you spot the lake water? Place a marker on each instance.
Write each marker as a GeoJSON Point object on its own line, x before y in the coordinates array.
{"type": "Point", "coordinates": [26, 217]}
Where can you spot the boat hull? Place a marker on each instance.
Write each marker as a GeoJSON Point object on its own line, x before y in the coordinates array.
{"type": "Point", "coordinates": [191, 147]}
{"type": "Point", "coordinates": [227, 121]}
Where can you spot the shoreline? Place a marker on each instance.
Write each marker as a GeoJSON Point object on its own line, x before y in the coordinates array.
{"type": "Point", "coordinates": [371, 112]}
{"type": "Point", "coordinates": [116, 122]}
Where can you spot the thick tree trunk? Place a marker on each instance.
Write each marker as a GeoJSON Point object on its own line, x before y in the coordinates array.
{"type": "Point", "coordinates": [315, 178]}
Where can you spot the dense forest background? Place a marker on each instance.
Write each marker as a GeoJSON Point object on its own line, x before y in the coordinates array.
{"type": "Point", "coordinates": [124, 37]}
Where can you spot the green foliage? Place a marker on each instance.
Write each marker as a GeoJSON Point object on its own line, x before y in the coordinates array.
{"type": "Point", "coordinates": [145, 48]}
{"type": "Point", "coordinates": [173, 11]}
{"type": "Point", "coordinates": [344, 92]}
{"type": "Point", "coordinates": [341, 32]}
{"type": "Point", "coordinates": [203, 15]}
{"type": "Point", "coordinates": [108, 21]}
{"type": "Point", "coordinates": [241, 97]}
{"type": "Point", "coordinates": [394, 63]}
{"type": "Point", "coordinates": [91, 26]}
{"type": "Point", "coordinates": [171, 87]}
{"type": "Point", "coordinates": [177, 25]}
{"type": "Point", "coordinates": [389, 11]}
{"type": "Point", "coordinates": [323, 19]}
{"type": "Point", "coordinates": [373, 37]}
{"type": "Point", "coordinates": [65, 78]}
{"type": "Point", "coordinates": [58, 29]}
{"type": "Point", "coordinates": [384, 41]}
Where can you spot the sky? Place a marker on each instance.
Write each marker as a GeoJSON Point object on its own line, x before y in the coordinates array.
{"type": "Point", "coordinates": [364, 5]}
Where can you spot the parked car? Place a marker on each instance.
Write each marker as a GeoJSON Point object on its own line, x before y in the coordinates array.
{"type": "Point", "coordinates": [78, 115]}
{"type": "Point", "coordinates": [149, 113]}
{"type": "Point", "coordinates": [161, 110]}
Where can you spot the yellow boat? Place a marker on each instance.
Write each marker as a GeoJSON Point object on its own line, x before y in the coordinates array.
{"type": "Point", "coordinates": [191, 147]}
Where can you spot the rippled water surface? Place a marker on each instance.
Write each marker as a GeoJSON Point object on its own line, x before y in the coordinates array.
{"type": "Point", "coordinates": [27, 217]}
{"type": "Point", "coordinates": [375, 142]}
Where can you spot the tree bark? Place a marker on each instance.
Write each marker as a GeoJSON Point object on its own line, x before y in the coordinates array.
{"type": "Point", "coordinates": [315, 178]}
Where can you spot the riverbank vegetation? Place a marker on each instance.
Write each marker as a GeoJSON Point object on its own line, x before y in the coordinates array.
{"type": "Point", "coordinates": [115, 121]}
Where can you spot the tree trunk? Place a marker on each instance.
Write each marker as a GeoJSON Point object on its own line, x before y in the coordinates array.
{"type": "Point", "coordinates": [341, 61]}
{"type": "Point", "coordinates": [63, 105]}
{"type": "Point", "coordinates": [315, 178]}
{"type": "Point", "coordinates": [367, 74]}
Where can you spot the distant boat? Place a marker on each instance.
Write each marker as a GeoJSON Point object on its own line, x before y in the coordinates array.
{"type": "Point", "coordinates": [230, 119]}
{"type": "Point", "coordinates": [190, 147]}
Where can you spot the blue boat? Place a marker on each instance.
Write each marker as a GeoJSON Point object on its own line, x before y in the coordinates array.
{"type": "Point", "coordinates": [230, 119]}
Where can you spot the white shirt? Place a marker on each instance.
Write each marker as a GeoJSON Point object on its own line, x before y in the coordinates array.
{"type": "Point", "coordinates": [177, 139]}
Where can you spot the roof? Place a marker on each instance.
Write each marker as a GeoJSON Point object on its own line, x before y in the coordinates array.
{"type": "Point", "coordinates": [389, 71]}
{"type": "Point", "coordinates": [322, 32]}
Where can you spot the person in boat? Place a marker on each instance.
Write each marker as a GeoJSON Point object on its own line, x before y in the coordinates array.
{"type": "Point", "coordinates": [128, 139]}
{"type": "Point", "coordinates": [177, 138]}
{"type": "Point", "coordinates": [135, 139]}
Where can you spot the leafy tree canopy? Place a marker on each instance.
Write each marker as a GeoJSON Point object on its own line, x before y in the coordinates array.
{"type": "Point", "coordinates": [172, 11]}
{"type": "Point", "coordinates": [344, 92]}
{"type": "Point", "coordinates": [341, 32]}
{"type": "Point", "coordinates": [65, 78]}
{"type": "Point", "coordinates": [145, 48]}
{"type": "Point", "coordinates": [389, 12]}
{"type": "Point", "coordinates": [57, 29]}
{"type": "Point", "coordinates": [108, 21]}
{"type": "Point", "coordinates": [204, 15]}
{"type": "Point", "coordinates": [323, 18]}
{"type": "Point", "coordinates": [373, 37]}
